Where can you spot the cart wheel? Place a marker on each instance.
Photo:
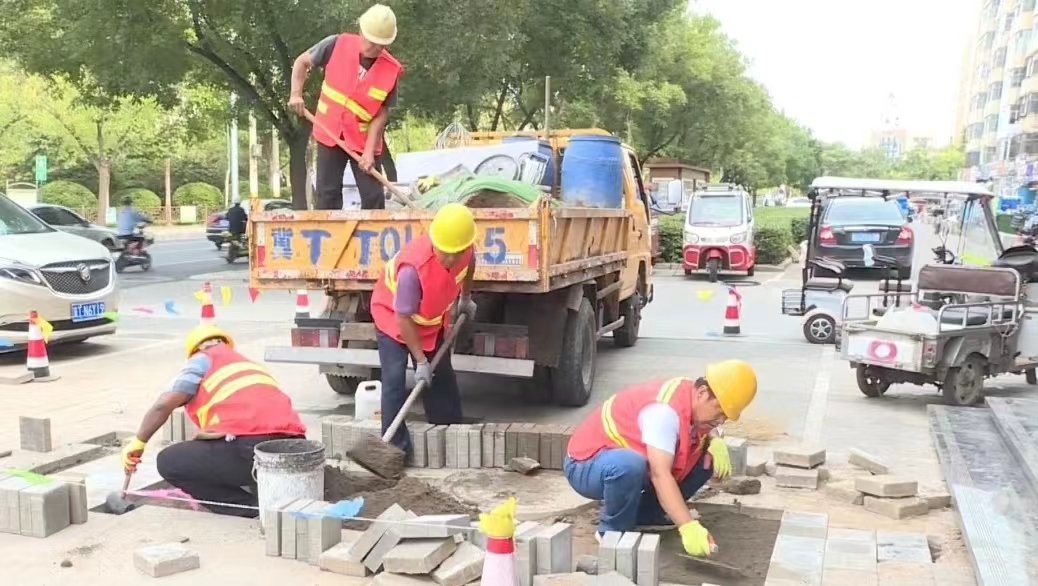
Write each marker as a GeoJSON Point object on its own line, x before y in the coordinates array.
{"type": "Point", "coordinates": [1031, 377]}
{"type": "Point", "coordinates": [870, 383]}
{"type": "Point", "coordinates": [820, 329]}
{"type": "Point", "coordinates": [712, 267]}
{"type": "Point", "coordinates": [964, 385]}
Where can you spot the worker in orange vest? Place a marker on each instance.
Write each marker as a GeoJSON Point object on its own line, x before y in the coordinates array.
{"type": "Point", "coordinates": [411, 307]}
{"type": "Point", "coordinates": [648, 449]}
{"type": "Point", "coordinates": [235, 404]}
{"type": "Point", "coordinates": [360, 79]}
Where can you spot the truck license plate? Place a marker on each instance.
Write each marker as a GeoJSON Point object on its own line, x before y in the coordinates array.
{"type": "Point", "coordinates": [87, 311]}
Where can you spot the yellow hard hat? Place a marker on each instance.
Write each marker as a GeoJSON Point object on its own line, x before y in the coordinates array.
{"type": "Point", "coordinates": [378, 25]}
{"type": "Point", "coordinates": [734, 384]}
{"type": "Point", "coordinates": [203, 333]}
{"type": "Point", "coordinates": [453, 229]}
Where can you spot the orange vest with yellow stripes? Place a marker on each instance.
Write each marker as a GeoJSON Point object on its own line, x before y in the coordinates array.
{"type": "Point", "coordinates": [348, 100]}
{"type": "Point", "coordinates": [614, 425]}
{"type": "Point", "coordinates": [440, 287]}
{"type": "Point", "coordinates": [239, 397]}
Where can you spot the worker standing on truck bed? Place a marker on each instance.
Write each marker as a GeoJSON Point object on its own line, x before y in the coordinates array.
{"type": "Point", "coordinates": [410, 307]}
{"type": "Point", "coordinates": [649, 448]}
{"type": "Point", "coordinates": [360, 78]}
{"type": "Point", "coordinates": [235, 404]}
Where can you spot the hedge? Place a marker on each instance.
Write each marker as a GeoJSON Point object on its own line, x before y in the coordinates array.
{"type": "Point", "coordinates": [776, 230]}
{"type": "Point", "coordinates": [68, 194]}
{"type": "Point", "coordinates": [143, 199]}
{"type": "Point", "coordinates": [198, 194]}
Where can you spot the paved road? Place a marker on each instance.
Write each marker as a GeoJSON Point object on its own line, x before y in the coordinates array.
{"type": "Point", "coordinates": [176, 260]}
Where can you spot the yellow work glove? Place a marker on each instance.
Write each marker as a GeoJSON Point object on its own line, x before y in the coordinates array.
{"type": "Point", "coordinates": [696, 539]}
{"type": "Point", "coordinates": [722, 461]}
{"type": "Point", "coordinates": [499, 523]}
{"type": "Point", "coordinates": [132, 453]}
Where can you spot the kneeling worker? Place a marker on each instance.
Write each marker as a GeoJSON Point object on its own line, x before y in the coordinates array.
{"type": "Point", "coordinates": [411, 307]}
{"type": "Point", "coordinates": [236, 404]}
{"type": "Point", "coordinates": [648, 449]}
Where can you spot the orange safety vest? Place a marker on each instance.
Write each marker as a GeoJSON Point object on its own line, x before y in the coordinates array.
{"type": "Point", "coordinates": [614, 425]}
{"type": "Point", "coordinates": [239, 397]}
{"type": "Point", "coordinates": [440, 288]}
{"type": "Point", "coordinates": [348, 100]}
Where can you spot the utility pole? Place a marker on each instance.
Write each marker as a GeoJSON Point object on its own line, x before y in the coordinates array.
{"type": "Point", "coordinates": [235, 187]}
{"type": "Point", "coordinates": [253, 159]}
{"type": "Point", "coordinates": [275, 164]}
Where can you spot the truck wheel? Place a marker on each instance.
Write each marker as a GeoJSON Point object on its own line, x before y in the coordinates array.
{"type": "Point", "coordinates": [631, 310]}
{"type": "Point", "coordinates": [964, 385]}
{"type": "Point", "coordinates": [572, 380]}
{"type": "Point", "coordinates": [344, 385]}
{"type": "Point", "coordinates": [869, 383]}
{"type": "Point", "coordinates": [539, 390]}
{"type": "Point", "coordinates": [712, 267]}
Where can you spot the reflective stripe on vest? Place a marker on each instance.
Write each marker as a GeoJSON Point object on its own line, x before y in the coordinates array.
{"type": "Point", "coordinates": [390, 281]}
{"type": "Point", "coordinates": [667, 390]}
{"type": "Point", "coordinates": [334, 95]}
{"type": "Point", "coordinates": [220, 390]}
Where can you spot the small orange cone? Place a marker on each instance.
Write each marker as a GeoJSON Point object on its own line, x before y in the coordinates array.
{"type": "Point", "coordinates": [302, 304]}
{"type": "Point", "coordinates": [731, 313]}
{"type": "Point", "coordinates": [499, 566]}
{"type": "Point", "coordinates": [36, 360]}
{"type": "Point", "coordinates": [208, 311]}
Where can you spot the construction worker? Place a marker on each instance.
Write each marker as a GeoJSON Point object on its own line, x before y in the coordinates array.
{"type": "Point", "coordinates": [360, 79]}
{"type": "Point", "coordinates": [410, 307]}
{"type": "Point", "coordinates": [648, 449]}
{"type": "Point", "coordinates": [235, 404]}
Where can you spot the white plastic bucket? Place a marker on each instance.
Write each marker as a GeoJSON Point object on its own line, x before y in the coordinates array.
{"type": "Point", "coordinates": [368, 401]}
{"type": "Point", "coordinates": [288, 469]}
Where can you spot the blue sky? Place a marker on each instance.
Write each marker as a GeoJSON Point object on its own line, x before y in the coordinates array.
{"type": "Point", "coordinates": [832, 63]}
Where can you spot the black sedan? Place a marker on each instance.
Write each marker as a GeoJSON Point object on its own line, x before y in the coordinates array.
{"type": "Point", "coordinates": [850, 223]}
{"type": "Point", "coordinates": [216, 224]}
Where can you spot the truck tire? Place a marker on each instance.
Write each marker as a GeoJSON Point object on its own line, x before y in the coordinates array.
{"type": "Point", "coordinates": [343, 385]}
{"type": "Point", "coordinates": [631, 310]}
{"type": "Point", "coordinates": [574, 377]}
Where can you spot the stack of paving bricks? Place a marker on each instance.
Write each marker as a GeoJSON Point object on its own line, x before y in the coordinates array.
{"type": "Point", "coordinates": [798, 467]}
{"type": "Point", "coordinates": [635, 556]}
{"type": "Point", "coordinates": [178, 428]}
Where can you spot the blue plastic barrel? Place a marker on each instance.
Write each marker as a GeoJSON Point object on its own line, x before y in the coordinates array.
{"type": "Point", "coordinates": [1026, 196]}
{"type": "Point", "coordinates": [543, 148]}
{"type": "Point", "coordinates": [592, 172]}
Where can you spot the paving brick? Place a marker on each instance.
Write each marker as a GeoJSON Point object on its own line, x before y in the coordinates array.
{"type": "Point", "coordinates": [166, 559]}
{"type": "Point", "coordinates": [895, 546]}
{"type": "Point", "coordinates": [337, 560]}
{"type": "Point", "coordinates": [797, 524]}
{"type": "Point", "coordinates": [302, 526]}
{"type": "Point", "coordinates": [738, 449]}
{"type": "Point", "coordinates": [612, 579]}
{"type": "Point", "coordinates": [476, 445]}
{"type": "Point", "coordinates": [886, 486]}
{"type": "Point", "coordinates": [844, 492]}
{"type": "Point", "coordinates": [418, 556]}
{"type": "Point", "coordinates": [850, 549]}
{"type": "Point", "coordinates": [462, 567]}
{"type": "Point", "coordinates": [756, 466]}
{"type": "Point", "coordinates": [607, 551]}
{"type": "Point", "coordinates": [559, 441]}
{"type": "Point", "coordinates": [936, 495]}
{"type": "Point", "coordinates": [842, 577]}
{"type": "Point", "coordinates": [434, 526]}
{"type": "Point", "coordinates": [555, 549]}
{"type": "Point", "coordinates": [10, 512]}
{"type": "Point", "coordinates": [78, 509]}
{"type": "Point", "coordinates": [897, 508]}
{"type": "Point", "coordinates": [529, 442]}
{"type": "Point", "coordinates": [323, 533]}
{"type": "Point", "coordinates": [375, 531]}
{"type": "Point", "coordinates": [288, 526]}
{"type": "Point", "coordinates": [178, 425]}
{"type": "Point", "coordinates": [435, 446]}
{"type": "Point", "coordinates": [770, 468]}
{"type": "Point", "coordinates": [463, 446]}
{"type": "Point", "coordinates": [476, 536]}
{"type": "Point", "coordinates": [340, 427]}
{"type": "Point", "coordinates": [167, 430]}
{"type": "Point", "coordinates": [47, 506]}
{"type": "Point", "coordinates": [627, 554]}
{"type": "Point", "coordinates": [419, 457]}
{"type": "Point", "coordinates": [488, 444]}
{"type": "Point", "coordinates": [389, 540]}
{"type": "Point", "coordinates": [789, 477]}
{"type": "Point", "coordinates": [799, 456]}
{"type": "Point", "coordinates": [500, 445]}
{"type": "Point", "coordinates": [649, 560]}
{"type": "Point", "coordinates": [867, 461]}
{"type": "Point", "coordinates": [270, 520]}
{"type": "Point", "coordinates": [512, 441]}
{"type": "Point", "coordinates": [526, 551]}
{"type": "Point", "coordinates": [35, 434]}
{"type": "Point", "coordinates": [796, 560]}
{"type": "Point", "coordinates": [545, 434]}
{"type": "Point", "coordinates": [450, 451]}
{"type": "Point", "coordinates": [909, 574]}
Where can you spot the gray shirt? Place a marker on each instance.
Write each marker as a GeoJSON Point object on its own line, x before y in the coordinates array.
{"type": "Point", "coordinates": [321, 54]}
{"type": "Point", "coordinates": [190, 376]}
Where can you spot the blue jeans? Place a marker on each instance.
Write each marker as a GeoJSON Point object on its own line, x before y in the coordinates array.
{"type": "Point", "coordinates": [620, 479]}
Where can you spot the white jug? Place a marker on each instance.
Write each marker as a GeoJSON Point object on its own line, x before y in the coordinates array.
{"type": "Point", "coordinates": [368, 401]}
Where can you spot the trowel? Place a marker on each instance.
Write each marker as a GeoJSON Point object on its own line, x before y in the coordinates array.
{"type": "Point", "coordinates": [719, 568]}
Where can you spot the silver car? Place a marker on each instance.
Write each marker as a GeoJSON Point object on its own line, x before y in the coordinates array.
{"type": "Point", "coordinates": [69, 221]}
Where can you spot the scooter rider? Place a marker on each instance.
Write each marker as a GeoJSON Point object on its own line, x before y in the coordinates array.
{"type": "Point", "coordinates": [237, 219]}
{"type": "Point", "coordinates": [126, 229]}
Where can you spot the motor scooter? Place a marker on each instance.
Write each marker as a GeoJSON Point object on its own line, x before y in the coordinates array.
{"type": "Point", "coordinates": [237, 246]}
{"type": "Point", "coordinates": [134, 253]}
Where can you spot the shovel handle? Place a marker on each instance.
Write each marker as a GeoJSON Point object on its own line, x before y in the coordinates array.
{"type": "Point", "coordinates": [400, 195]}
{"type": "Point", "coordinates": [445, 347]}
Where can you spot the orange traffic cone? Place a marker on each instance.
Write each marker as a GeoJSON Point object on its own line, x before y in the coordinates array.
{"type": "Point", "coordinates": [731, 312]}
{"type": "Point", "coordinates": [302, 304]}
{"type": "Point", "coordinates": [36, 360]}
{"type": "Point", "coordinates": [208, 311]}
{"type": "Point", "coordinates": [499, 566]}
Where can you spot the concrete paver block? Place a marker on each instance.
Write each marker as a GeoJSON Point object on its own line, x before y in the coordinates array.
{"type": "Point", "coordinates": [10, 511]}
{"type": "Point", "coordinates": [500, 444]}
{"type": "Point", "coordinates": [842, 577]}
{"type": "Point", "coordinates": [851, 549]}
{"type": "Point", "coordinates": [433, 526]}
{"type": "Point", "coordinates": [77, 496]}
{"type": "Point", "coordinates": [476, 446]}
{"type": "Point", "coordinates": [802, 456]}
{"type": "Point", "coordinates": [167, 559]}
{"type": "Point", "coordinates": [375, 531]}
{"type": "Point", "coordinates": [271, 522]}
{"type": "Point", "coordinates": [488, 444]}
{"type": "Point", "coordinates": [35, 434]}
{"type": "Point", "coordinates": [738, 449]}
{"type": "Point", "coordinates": [526, 551]}
{"type": "Point", "coordinates": [555, 549]}
{"type": "Point", "coordinates": [529, 445]}
{"type": "Point", "coordinates": [936, 495]}
{"type": "Point", "coordinates": [627, 554]}
{"type": "Point", "coordinates": [886, 486]}
{"type": "Point", "coordinates": [419, 458]}
{"type": "Point", "coordinates": [462, 456]}
{"type": "Point", "coordinates": [867, 461]}
{"type": "Point", "coordinates": [389, 540]}
{"type": "Point", "coordinates": [46, 507]}
{"type": "Point", "coordinates": [418, 556]}
{"type": "Point", "coordinates": [796, 560]}
{"type": "Point", "coordinates": [648, 564]}
{"type": "Point", "coordinates": [796, 524]}
{"type": "Point", "coordinates": [435, 446]}
{"type": "Point", "coordinates": [569, 579]}
{"type": "Point", "coordinates": [322, 533]}
{"type": "Point", "coordinates": [302, 527]}
{"type": "Point", "coordinates": [288, 527]}
{"type": "Point", "coordinates": [607, 551]}
{"type": "Point", "coordinates": [756, 466]}
{"type": "Point", "coordinates": [476, 537]}
{"type": "Point", "coordinates": [337, 560]}
{"type": "Point", "coordinates": [613, 578]}
{"type": "Point", "coordinates": [844, 492]}
{"type": "Point", "coordinates": [897, 508]}
{"type": "Point", "coordinates": [450, 438]}
{"type": "Point", "coordinates": [908, 574]}
{"type": "Point", "coordinates": [559, 443]}
{"type": "Point", "coordinates": [895, 546]}
{"type": "Point", "coordinates": [789, 477]}
{"type": "Point", "coordinates": [512, 441]}
{"type": "Point", "coordinates": [544, 435]}
{"type": "Point", "coordinates": [462, 567]}
{"type": "Point", "coordinates": [770, 468]}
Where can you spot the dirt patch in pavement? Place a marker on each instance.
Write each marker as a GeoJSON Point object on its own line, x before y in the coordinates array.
{"type": "Point", "coordinates": [743, 542]}
{"type": "Point", "coordinates": [379, 494]}
{"type": "Point", "coordinates": [754, 429]}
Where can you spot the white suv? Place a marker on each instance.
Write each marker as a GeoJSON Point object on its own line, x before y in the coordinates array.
{"type": "Point", "coordinates": [68, 280]}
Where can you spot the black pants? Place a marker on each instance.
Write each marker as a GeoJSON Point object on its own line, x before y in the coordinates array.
{"type": "Point", "coordinates": [441, 400]}
{"type": "Point", "coordinates": [331, 164]}
{"type": "Point", "coordinates": [215, 470]}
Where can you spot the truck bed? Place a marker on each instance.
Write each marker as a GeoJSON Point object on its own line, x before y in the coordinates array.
{"type": "Point", "coordinates": [518, 250]}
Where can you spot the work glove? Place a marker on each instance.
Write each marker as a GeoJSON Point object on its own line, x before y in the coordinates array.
{"type": "Point", "coordinates": [722, 461]}
{"type": "Point", "coordinates": [467, 307]}
{"type": "Point", "coordinates": [696, 539]}
{"type": "Point", "coordinates": [132, 453]}
{"type": "Point", "coordinates": [423, 371]}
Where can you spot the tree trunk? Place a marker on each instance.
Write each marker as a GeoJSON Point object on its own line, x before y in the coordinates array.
{"type": "Point", "coordinates": [169, 193]}
{"type": "Point", "coordinates": [275, 164]}
{"type": "Point", "coordinates": [104, 180]}
{"type": "Point", "coordinates": [297, 174]}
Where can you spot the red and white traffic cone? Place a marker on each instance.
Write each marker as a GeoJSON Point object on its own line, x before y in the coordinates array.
{"type": "Point", "coordinates": [36, 360]}
{"type": "Point", "coordinates": [731, 313]}
{"type": "Point", "coordinates": [302, 304]}
{"type": "Point", "coordinates": [208, 316]}
{"type": "Point", "coordinates": [500, 567]}
{"type": "Point", "coordinates": [207, 288]}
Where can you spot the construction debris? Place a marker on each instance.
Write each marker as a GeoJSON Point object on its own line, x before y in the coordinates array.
{"type": "Point", "coordinates": [741, 485]}
{"type": "Point", "coordinates": [163, 560]}
{"type": "Point", "coordinates": [523, 465]}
